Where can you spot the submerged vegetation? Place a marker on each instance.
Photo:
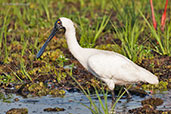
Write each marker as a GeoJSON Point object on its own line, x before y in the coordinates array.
{"type": "Point", "coordinates": [122, 26]}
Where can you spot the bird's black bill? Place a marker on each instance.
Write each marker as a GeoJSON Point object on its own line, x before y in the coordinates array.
{"type": "Point", "coordinates": [46, 43]}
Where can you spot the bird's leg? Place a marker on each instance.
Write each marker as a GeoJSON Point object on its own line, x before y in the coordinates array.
{"type": "Point", "coordinates": [112, 111]}
{"type": "Point", "coordinates": [113, 96]}
{"type": "Point", "coordinates": [129, 95]}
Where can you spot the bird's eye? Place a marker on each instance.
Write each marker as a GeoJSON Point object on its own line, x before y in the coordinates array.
{"type": "Point", "coordinates": [59, 22]}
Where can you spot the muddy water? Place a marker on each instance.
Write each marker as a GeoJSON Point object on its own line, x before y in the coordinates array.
{"type": "Point", "coordinates": [71, 103]}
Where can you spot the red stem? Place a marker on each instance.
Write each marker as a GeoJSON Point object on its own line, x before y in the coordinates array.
{"type": "Point", "coordinates": [164, 17]}
{"type": "Point", "coordinates": [153, 17]}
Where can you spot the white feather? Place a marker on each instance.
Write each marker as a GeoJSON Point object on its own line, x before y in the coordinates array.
{"type": "Point", "coordinates": [111, 67]}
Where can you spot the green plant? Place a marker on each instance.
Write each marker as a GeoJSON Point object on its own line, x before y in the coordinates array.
{"type": "Point", "coordinates": [60, 75]}
{"type": "Point", "coordinates": [129, 36]}
{"type": "Point", "coordinates": [5, 98]}
{"type": "Point", "coordinates": [44, 4]}
{"type": "Point", "coordinates": [94, 108]}
{"type": "Point", "coordinates": [126, 12]}
{"type": "Point", "coordinates": [61, 60]}
{"type": "Point", "coordinates": [24, 71]}
{"type": "Point", "coordinates": [3, 36]}
{"type": "Point", "coordinates": [88, 35]}
{"type": "Point", "coordinates": [164, 47]}
{"type": "Point", "coordinates": [130, 33]}
{"type": "Point", "coordinates": [6, 78]}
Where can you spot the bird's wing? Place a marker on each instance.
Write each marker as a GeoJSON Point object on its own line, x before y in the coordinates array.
{"type": "Point", "coordinates": [114, 66]}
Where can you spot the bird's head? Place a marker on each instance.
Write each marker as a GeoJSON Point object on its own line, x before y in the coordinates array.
{"type": "Point", "coordinates": [60, 26]}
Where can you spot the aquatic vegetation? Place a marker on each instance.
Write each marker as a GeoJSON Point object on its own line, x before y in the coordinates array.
{"type": "Point", "coordinates": [162, 86]}
{"type": "Point", "coordinates": [39, 89]}
{"type": "Point", "coordinates": [56, 109]}
{"type": "Point", "coordinates": [152, 101]}
{"type": "Point", "coordinates": [5, 98]}
{"type": "Point", "coordinates": [149, 107]}
{"type": "Point", "coordinates": [61, 60]}
{"type": "Point", "coordinates": [17, 111]}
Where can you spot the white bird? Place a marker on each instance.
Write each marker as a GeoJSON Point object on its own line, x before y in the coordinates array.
{"type": "Point", "coordinates": [112, 68]}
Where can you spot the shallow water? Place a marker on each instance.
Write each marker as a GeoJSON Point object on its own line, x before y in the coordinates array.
{"type": "Point", "coordinates": [71, 103]}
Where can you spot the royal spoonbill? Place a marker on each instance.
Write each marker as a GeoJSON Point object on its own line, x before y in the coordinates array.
{"type": "Point", "coordinates": [112, 68]}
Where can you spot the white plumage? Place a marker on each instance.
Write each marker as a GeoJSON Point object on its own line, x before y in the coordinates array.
{"type": "Point", "coordinates": [111, 67]}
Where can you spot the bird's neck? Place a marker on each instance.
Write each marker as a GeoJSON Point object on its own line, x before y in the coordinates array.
{"type": "Point", "coordinates": [73, 44]}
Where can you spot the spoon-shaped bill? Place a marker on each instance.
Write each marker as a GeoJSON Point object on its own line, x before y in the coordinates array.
{"type": "Point", "coordinates": [46, 43]}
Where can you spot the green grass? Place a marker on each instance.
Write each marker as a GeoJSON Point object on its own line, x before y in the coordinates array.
{"type": "Point", "coordinates": [90, 35]}
{"type": "Point", "coordinates": [129, 37]}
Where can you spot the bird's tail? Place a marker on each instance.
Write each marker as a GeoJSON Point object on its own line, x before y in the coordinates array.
{"type": "Point", "coordinates": [149, 77]}
{"type": "Point", "coordinates": [152, 79]}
